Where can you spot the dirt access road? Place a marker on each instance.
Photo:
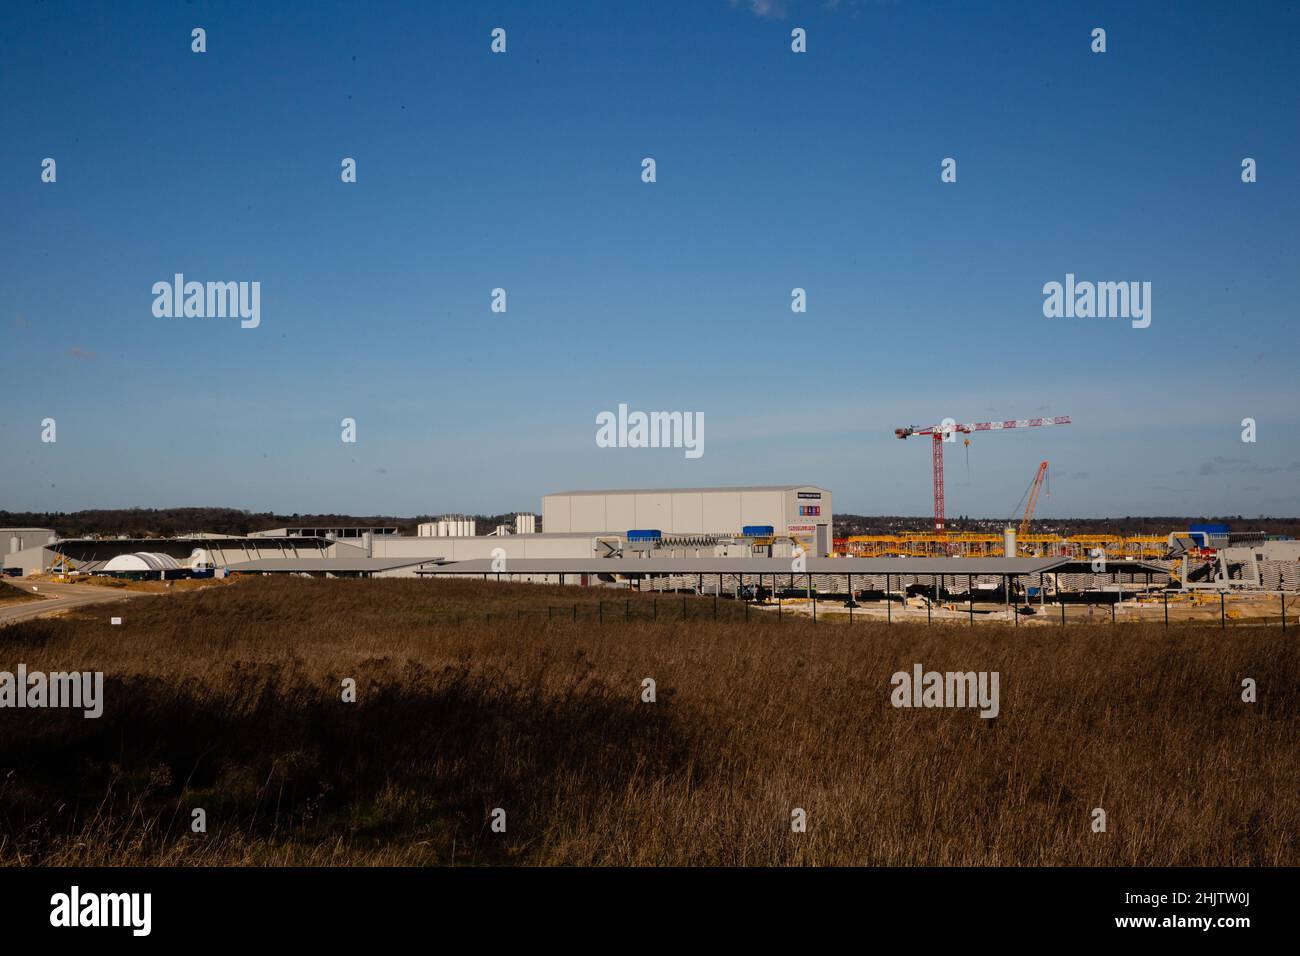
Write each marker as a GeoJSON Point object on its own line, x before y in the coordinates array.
{"type": "Point", "coordinates": [60, 597]}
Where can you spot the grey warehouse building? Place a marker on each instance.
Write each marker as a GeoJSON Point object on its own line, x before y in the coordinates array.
{"type": "Point", "coordinates": [800, 511]}
{"type": "Point", "coordinates": [13, 540]}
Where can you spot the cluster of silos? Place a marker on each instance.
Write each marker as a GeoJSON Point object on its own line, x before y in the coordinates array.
{"type": "Point", "coordinates": [451, 526]}
{"type": "Point", "coordinates": [459, 526]}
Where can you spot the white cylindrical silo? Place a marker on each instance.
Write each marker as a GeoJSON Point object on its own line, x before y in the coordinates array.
{"type": "Point", "coordinates": [1009, 543]}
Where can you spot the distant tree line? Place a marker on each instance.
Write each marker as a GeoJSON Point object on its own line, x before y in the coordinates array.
{"type": "Point", "coordinates": [170, 522]}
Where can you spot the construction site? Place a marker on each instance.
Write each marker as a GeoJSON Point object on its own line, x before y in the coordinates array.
{"type": "Point", "coordinates": [771, 546]}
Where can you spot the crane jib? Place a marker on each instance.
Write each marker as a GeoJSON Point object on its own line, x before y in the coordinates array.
{"type": "Point", "coordinates": [989, 426]}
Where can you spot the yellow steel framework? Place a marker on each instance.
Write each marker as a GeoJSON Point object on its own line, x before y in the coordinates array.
{"type": "Point", "coordinates": [921, 544]}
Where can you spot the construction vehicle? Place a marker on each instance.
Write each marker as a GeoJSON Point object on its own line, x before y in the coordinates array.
{"type": "Point", "coordinates": [62, 565]}
{"type": "Point", "coordinates": [1033, 499]}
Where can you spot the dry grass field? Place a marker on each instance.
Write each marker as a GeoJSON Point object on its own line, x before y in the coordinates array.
{"type": "Point", "coordinates": [229, 699]}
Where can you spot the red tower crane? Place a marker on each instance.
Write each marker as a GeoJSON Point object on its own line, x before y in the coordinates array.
{"type": "Point", "coordinates": [949, 431]}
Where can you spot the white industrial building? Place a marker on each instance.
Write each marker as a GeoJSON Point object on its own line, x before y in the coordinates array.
{"type": "Point", "coordinates": [800, 511]}
{"type": "Point", "coordinates": [350, 532]}
{"type": "Point", "coordinates": [678, 523]}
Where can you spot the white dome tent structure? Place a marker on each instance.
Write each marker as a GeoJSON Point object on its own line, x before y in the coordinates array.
{"type": "Point", "coordinates": [141, 564]}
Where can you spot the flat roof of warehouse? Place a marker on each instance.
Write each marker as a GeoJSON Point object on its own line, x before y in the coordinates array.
{"type": "Point", "coordinates": [344, 565]}
{"type": "Point", "coordinates": [212, 540]}
{"type": "Point", "coordinates": [957, 566]}
{"type": "Point", "coordinates": [625, 566]}
{"type": "Point", "coordinates": [681, 491]}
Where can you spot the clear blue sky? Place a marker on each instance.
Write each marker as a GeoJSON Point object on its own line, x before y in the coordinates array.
{"type": "Point", "coordinates": [775, 170]}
